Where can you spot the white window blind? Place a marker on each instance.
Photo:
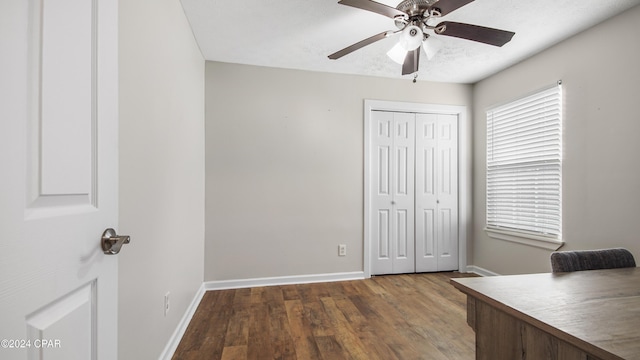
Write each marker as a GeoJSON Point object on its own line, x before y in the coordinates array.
{"type": "Point", "coordinates": [524, 164]}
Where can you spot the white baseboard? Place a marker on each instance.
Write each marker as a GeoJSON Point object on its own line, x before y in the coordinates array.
{"type": "Point", "coordinates": [481, 271]}
{"type": "Point", "coordinates": [175, 338]}
{"type": "Point", "coordinates": [282, 280]}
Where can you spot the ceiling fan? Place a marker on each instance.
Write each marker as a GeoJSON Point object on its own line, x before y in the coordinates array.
{"type": "Point", "coordinates": [413, 18]}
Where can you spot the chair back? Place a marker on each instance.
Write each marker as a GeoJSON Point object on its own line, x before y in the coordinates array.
{"type": "Point", "coordinates": [565, 261]}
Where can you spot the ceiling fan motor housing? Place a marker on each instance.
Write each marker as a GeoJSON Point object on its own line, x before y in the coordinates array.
{"type": "Point", "coordinates": [415, 7]}
{"type": "Point", "coordinates": [418, 12]}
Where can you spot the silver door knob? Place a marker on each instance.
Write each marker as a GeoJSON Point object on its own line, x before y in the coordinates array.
{"type": "Point", "coordinates": [111, 242]}
{"type": "Point", "coordinates": [393, 203]}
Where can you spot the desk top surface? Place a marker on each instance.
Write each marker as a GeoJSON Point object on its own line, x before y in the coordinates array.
{"type": "Point", "coordinates": [597, 310]}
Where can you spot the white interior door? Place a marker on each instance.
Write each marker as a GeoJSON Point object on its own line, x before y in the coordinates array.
{"type": "Point", "coordinates": [392, 197]}
{"type": "Point", "coordinates": [58, 290]}
{"type": "Point", "coordinates": [436, 192]}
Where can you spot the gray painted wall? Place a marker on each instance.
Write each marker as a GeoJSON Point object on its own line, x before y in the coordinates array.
{"type": "Point", "coordinates": [284, 167]}
{"type": "Point", "coordinates": [161, 173]}
{"type": "Point", "coordinates": [600, 72]}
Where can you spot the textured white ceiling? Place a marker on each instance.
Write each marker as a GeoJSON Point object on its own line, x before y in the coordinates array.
{"type": "Point", "coordinates": [299, 34]}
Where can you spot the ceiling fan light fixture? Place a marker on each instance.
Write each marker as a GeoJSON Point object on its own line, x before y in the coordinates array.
{"type": "Point", "coordinates": [397, 53]}
{"type": "Point", "coordinates": [411, 37]}
{"type": "Point", "coordinates": [431, 46]}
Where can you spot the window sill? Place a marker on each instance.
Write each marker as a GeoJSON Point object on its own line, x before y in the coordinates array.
{"type": "Point", "coordinates": [526, 239]}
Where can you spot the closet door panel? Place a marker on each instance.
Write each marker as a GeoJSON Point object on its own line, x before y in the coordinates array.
{"type": "Point", "coordinates": [436, 192]}
{"type": "Point", "coordinates": [382, 193]}
{"type": "Point", "coordinates": [426, 192]}
{"type": "Point", "coordinates": [392, 198]}
{"type": "Point", "coordinates": [403, 203]}
{"type": "Point", "coordinates": [447, 192]}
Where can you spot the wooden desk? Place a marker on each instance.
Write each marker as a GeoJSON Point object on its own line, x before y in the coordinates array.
{"type": "Point", "coordinates": [580, 315]}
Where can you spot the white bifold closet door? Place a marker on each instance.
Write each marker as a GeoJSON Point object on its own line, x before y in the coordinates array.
{"type": "Point", "coordinates": [393, 198]}
{"type": "Point", "coordinates": [413, 192]}
{"type": "Point", "coordinates": [436, 192]}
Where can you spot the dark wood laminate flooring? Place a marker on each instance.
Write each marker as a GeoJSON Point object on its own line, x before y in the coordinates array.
{"type": "Point", "coordinates": [404, 317]}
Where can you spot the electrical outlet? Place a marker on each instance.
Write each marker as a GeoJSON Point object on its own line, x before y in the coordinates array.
{"type": "Point", "coordinates": [166, 303]}
{"type": "Point", "coordinates": [342, 250]}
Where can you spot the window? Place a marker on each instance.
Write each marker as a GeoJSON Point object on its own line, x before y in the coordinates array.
{"type": "Point", "coordinates": [524, 169]}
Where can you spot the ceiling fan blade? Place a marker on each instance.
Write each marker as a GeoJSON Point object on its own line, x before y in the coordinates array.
{"type": "Point", "coordinates": [411, 62]}
{"type": "Point", "coordinates": [447, 6]}
{"type": "Point", "coordinates": [373, 6]}
{"type": "Point", "coordinates": [360, 44]}
{"type": "Point", "coordinates": [477, 33]}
